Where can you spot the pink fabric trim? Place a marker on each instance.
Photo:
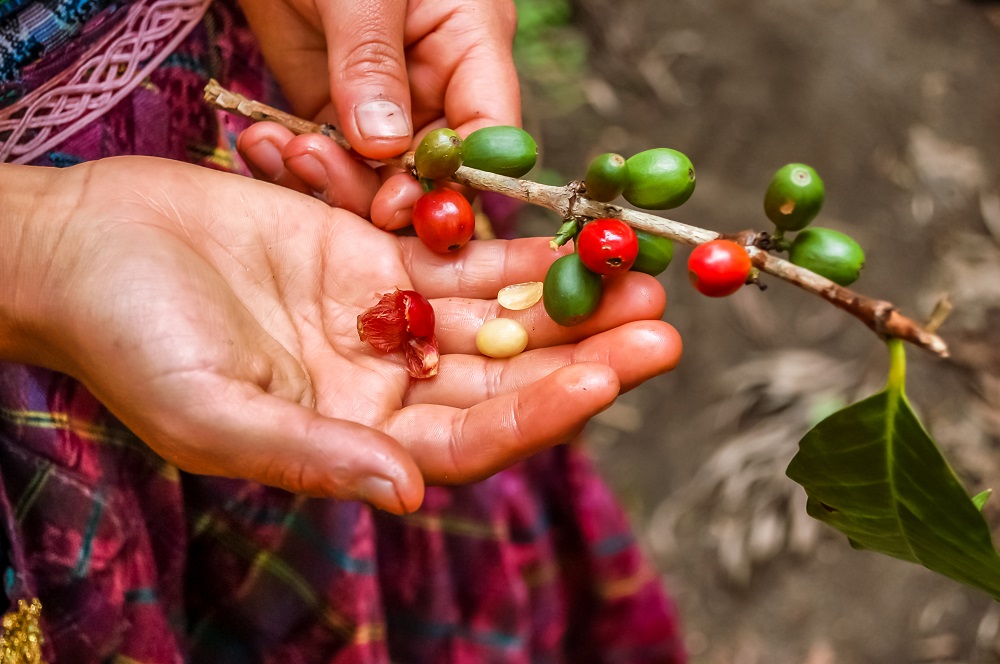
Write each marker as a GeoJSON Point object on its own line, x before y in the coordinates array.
{"type": "Point", "coordinates": [105, 73]}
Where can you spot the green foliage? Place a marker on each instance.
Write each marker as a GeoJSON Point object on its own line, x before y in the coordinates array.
{"type": "Point", "coordinates": [873, 472]}
{"type": "Point", "coordinates": [551, 55]}
{"type": "Point", "coordinates": [535, 17]}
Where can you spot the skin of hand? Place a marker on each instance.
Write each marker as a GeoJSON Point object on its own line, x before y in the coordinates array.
{"type": "Point", "coordinates": [215, 315]}
{"type": "Point", "coordinates": [384, 72]}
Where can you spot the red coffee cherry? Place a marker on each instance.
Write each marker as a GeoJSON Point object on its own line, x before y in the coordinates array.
{"type": "Point", "coordinates": [719, 268]}
{"type": "Point", "coordinates": [607, 246]}
{"type": "Point", "coordinates": [444, 220]}
{"type": "Point", "coordinates": [403, 320]}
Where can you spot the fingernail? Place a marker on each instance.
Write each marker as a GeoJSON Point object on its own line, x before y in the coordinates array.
{"type": "Point", "coordinates": [311, 171]}
{"type": "Point", "coordinates": [381, 119]}
{"type": "Point", "coordinates": [381, 493]}
{"type": "Point", "coordinates": [266, 158]}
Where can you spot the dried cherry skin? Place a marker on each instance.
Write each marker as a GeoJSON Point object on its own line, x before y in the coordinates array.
{"type": "Point", "coordinates": [444, 220]}
{"type": "Point", "coordinates": [607, 246]}
{"type": "Point", "coordinates": [719, 268]}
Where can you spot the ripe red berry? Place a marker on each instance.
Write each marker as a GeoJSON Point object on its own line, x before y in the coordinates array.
{"type": "Point", "coordinates": [444, 220]}
{"type": "Point", "coordinates": [719, 268]}
{"type": "Point", "coordinates": [607, 246]}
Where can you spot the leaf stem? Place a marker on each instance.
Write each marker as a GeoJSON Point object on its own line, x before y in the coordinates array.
{"type": "Point", "coordinates": [897, 366]}
{"type": "Point", "coordinates": [880, 316]}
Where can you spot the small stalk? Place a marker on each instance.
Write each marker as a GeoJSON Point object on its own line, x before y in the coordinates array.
{"type": "Point", "coordinates": [566, 232]}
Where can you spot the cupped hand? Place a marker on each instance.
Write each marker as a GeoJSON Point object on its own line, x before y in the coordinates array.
{"type": "Point", "coordinates": [383, 72]}
{"type": "Point", "coordinates": [216, 317]}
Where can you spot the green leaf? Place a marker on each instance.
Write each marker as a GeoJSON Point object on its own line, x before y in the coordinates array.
{"type": "Point", "coordinates": [980, 498]}
{"type": "Point", "coordinates": [873, 472]}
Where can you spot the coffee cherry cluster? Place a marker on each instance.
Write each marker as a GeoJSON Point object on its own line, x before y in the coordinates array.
{"type": "Point", "coordinates": [573, 284]}
{"type": "Point", "coordinates": [602, 248]}
{"type": "Point", "coordinates": [660, 178]}
{"type": "Point", "coordinates": [442, 218]}
{"type": "Point", "coordinates": [793, 199]}
{"type": "Point", "coordinates": [657, 179]}
{"type": "Point", "coordinates": [445, 222]}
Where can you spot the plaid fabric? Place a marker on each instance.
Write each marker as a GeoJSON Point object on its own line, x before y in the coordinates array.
{"type": "Point", "coordinates": [136, 562]}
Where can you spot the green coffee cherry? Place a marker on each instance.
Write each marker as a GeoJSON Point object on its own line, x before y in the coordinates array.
{"type": "Point", "coordinates": [659, 179]}
{"type": "Point", "coordinates": [655, 253]}
{"type": "Point", "coordinates": [794, 197]}
{"type": "Point", "coordinates": [439, 154]}
{"type": "Point", "coordinates": [570, 292]}
{"type": "Point", "coordinates": [828, 253]}
{"type": "Point", "coordinates": [607, 177]}
{"type": "Point", "coordinates": [504, 150]}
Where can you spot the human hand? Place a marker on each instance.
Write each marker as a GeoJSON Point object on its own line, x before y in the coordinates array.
{"type": "Point", "coordinates": [354, 63]}
{"type": "Point", "coordinates": [216, 317]}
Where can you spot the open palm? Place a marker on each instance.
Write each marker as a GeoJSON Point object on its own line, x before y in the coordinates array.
{"type": "Point", "coordinates": [216, 316]}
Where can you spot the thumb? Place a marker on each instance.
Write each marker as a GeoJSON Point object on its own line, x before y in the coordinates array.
{"type": "Point", "coordinates": [369, 85]}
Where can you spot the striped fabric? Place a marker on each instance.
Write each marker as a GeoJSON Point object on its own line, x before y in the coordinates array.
{"type": "Point", "coordinates": [137, 563]}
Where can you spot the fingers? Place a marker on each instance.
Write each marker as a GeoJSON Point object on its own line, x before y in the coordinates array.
{"type": "Point", "coordinates": [462, 65]}
{"type": "Point", "coordinates": [480, 269]}
{"type": "Point", "coordinates": [369, 86]}
{"type": "Point", "coordinates": [454, 446]}
{"type": "Point", "coordinates": [627, 298]}
{"type": "Point", "coordinates": [635, 351]}
{"type": "Point", "coordinates": [262, 147]}
{"type": "Point", "coordinates": [310, 163]}
{"type": "Point", "coordinates": [250, 434]}
{"type": "Point", "coordinates": [392, 206]}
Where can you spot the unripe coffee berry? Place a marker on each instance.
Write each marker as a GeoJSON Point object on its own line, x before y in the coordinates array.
{"type": "Point", "coordinates": [659, 179]}
{"type": "Point", "coordinates": [655, 253]}
{"type": "Point", "coordinates": [502, 149]}
{"type": "Point", "coordinates": [794, 197]}
{"type": "Point", "coordinates": [607, 246]}
{"type": "Point", "coordinates": [439, 154]}
{"type": "Point", "coordinates": [828, 253]}
{"type": "Point", "coordinates": [571, 292]}
{"type": "Point", "coordinates": [607, 177]}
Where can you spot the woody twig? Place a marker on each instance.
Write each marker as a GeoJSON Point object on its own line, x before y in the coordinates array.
{"type": "Point", "coordinates": [880, 316]}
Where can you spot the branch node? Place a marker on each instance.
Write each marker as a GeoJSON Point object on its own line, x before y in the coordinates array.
{"type": "Point", "coordinates": [881, 314]}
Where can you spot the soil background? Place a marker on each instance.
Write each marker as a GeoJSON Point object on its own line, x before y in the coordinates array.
{"type": "Point", "coordinates": [897, 105]}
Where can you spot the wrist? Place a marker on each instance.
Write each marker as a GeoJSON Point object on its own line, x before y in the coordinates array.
{"type": "Point", "coordinates": [34, 210]}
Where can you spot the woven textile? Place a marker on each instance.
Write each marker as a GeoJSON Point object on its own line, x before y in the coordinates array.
{"type": "Point", "coordinates": [136, 562]}
{"type": "Point", "coordinates": [101, 76]}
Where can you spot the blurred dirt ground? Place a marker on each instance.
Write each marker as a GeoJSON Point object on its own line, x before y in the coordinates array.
{"type": "Point", "coordinates": [897, 105]}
